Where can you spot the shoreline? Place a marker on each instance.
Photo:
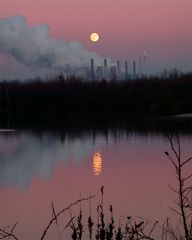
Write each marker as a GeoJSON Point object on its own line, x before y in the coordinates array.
{"type": "Point", "coordinates": [184, 115]}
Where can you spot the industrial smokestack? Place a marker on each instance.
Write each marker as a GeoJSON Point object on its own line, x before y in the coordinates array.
{"type": "Point", "coordinates": [105, 62]}
{"type": "Point", "coordinates": [141, 65]}
{"type": "Point", "coordinates": [118, 64]}
{"type": "Point", "coordinates": [134, 69]}
{"type": "Point", "coordinates": [92, 69]}
{"type": "Point", "coordinates": [126, 70]}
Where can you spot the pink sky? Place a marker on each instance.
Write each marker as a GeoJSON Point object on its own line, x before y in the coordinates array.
{"type": "Point", "coordinates": [126, 27]}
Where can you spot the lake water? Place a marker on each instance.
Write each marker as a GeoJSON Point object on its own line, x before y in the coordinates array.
{"type": "Point", "coordinates": [38, 167]}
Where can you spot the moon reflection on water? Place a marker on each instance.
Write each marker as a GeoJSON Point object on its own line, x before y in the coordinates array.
{"type": "Point", "coordinates": [97, 163]}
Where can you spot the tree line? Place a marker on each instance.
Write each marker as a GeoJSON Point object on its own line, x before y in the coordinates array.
{"type": "Point", "coordinates": [146, 96]}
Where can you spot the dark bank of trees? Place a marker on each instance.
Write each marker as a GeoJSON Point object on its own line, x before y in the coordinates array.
{"type": "Point", "coordinates": [154, 96]}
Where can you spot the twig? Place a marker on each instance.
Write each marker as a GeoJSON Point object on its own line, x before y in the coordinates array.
{"type": "Point", "coordinates": [62, 211]}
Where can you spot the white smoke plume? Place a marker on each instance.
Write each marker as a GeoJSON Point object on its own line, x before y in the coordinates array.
{"type": "Point", "coordinates": [35, 47]}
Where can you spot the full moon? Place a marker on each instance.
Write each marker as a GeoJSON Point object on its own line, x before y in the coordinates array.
{"type": "Point", "coordinates": [94, 37]}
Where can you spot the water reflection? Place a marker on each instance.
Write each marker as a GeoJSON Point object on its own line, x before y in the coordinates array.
{"type": "Point", "coordinates": [56, 166]}
{"type": "Point", "coordinates": [97, 163]}
{"type": "Point", "coordinates": [24, 156]}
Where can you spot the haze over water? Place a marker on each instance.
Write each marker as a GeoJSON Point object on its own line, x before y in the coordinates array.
{"type": "Point", "coordinates": [39, 167]}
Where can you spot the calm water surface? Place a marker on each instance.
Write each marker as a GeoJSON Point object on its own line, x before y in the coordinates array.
{"type": "Point", "coordinates": [37, 168]}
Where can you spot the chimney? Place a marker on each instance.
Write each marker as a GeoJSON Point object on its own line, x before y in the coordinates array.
{"type": "Point", "coordinates": [92, 69]}
{"type": "Point", "coordinates": [126, 70]}
{"type": "Point", "coordinates": [105, 62]}
{"type": "Point", "coordinates": [134, 69]}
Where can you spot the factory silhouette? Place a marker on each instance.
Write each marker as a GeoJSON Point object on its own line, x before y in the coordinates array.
{"type": "Point", "coordinates": [111, 73]}
{"type": "Point", "coordinates": [116, 72]}
{"type": "Point", "coordinates": [108, 71]}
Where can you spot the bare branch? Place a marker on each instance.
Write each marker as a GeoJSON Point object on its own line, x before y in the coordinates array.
{"type": "Point", "coordinates": [187, 189]}
{"type": "Point", "coordinates": [186, 178]}
{"type": "Point", "coordinates": [183, 191]}
{"type": "Point", "coordinates": [186, 161]}
{"type": "Point", "coordinates": [14, 226]}
{"type": "Point", "coordinates": [5, 234]}
{"type": "Point", "coordinates": [173, 189]}
{"type": "Point", "coordinates": [179, 148]}
{"type": "Point", "coordinates": [174, 164]}
{"type": "Point", "coordinates": [172, 146]}
{"type": "Point", "coordinates": [176, 202]}
{"type": "Point", "coordinates": [54, 213]}
{"type": "Point", "coordinates": [172, 209]}
{"type": "Point", "coordinates": [186, 196]}
{"type": "Point", "coordinates": [62, 211]}
{"type": "Point", "coordinates": [153, 228]}
{"type": "Point", "coordinates": [67, 225]}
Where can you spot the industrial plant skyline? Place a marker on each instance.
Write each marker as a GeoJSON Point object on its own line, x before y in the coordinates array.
{"type": "Point", "coordinates": [114, 72]}
{"type": "Point", "coordinates": [35, 47]}
{"type": "Point", "coordinates": [33, 40]}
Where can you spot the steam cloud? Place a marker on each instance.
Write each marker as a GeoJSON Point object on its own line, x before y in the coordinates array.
{"type": "Point", "coordinates": [35, 47]}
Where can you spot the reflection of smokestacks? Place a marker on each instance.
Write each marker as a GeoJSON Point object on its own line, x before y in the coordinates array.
{"type": "Point", "coordinates": [126, 70]}
{"type": "Point", "coordinates": [92, 69]}
{"type": "Point", "coordinates": [105, 62]}
{"type": "Point", "coordinates": [134, 69]}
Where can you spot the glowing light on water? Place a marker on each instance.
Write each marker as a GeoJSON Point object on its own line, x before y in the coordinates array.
{"type": "Point", "coordinates": [97, 163]}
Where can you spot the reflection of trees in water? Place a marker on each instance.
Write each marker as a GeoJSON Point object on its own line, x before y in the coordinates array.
{"type": "Point", "coordinates": [24, 155]}
{"type": "Point", "coordinates": [35, 152]}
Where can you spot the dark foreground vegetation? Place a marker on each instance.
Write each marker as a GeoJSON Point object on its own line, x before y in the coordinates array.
{"type": "Point", "coordinates": [77, 98]}
{"type": "Point", "coordinates": [105, 227]}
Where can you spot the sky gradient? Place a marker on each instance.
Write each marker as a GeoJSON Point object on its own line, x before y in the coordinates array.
{"type": "Point", "coordinates": [126, 27]}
